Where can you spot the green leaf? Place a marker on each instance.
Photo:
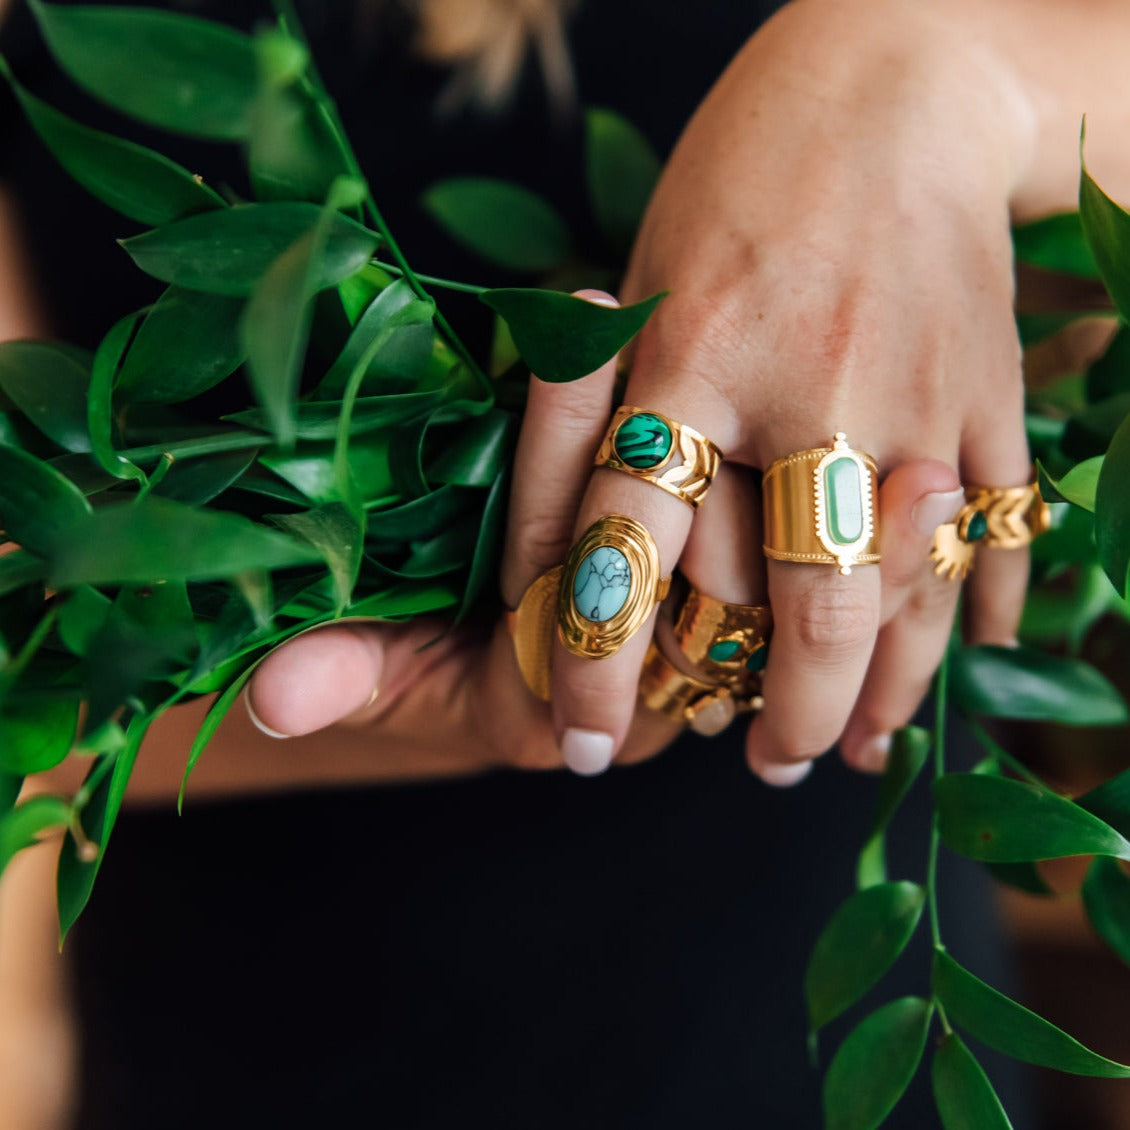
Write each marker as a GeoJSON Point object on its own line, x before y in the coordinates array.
{"type": "Point", "coordinates": [1112, 509]}
{"type": "Point", "coordinates": [1001, 820]}
{"type": "Point", "coordinates": [18, 569]}
{"type": "Point", "coordinates": [178, 72]}
{"type": "Point", "coordinates": [198, 481]}
{"type": "Point", "coordinates": [1011, 1028]}
{"type": "Point", "coordinates": [131, 179]}
{"type": "Point", "coordinates": [319, 419]}
{"type": "Point", "coordinates": [188, 343]}
{"type": "Point", "coordinates": [1110, 802]}
{"type": "Point", "coordinates": [106, 787]}
{"type": "Point", "coordinates": [1034, 328]}
{"type": "Point", "coordinates": [36, 734]}
{"type": "Point", "coordinates": [9, 793]}
{"type": "Point", "coordinates": [962, 1092]}
{"type": "Point", "coordinates": [21, 826]}
{"type": "Point", "coordinates": [910, 747]}
{"type": "Point", "coordinates": [292, 153]}
{"type": "Point", "coordinates": [421, 518]}
{"type": "Point", "coordinates": [484, 564]}
{"type": "Point", "coordinates": [621, 169]}
{"type": "Point", "coordinates": [333, 532]}
{"type": "Point", "coordinates": [83, 613]}
{"type": "Point", "coordinates": [1024, 876]}
{"type": "Point", "coordinates": [402, 602]}
{"type": "Point", "coordinates": [875, 1064]}
{"type": "Point", "coordinates": [563, 338]}
{"type": "Point", "coordinates": [158, 539]}
{"type": "Point", "coordinates": [479, 450]}
{"type": "Point", "coordinates": [1020, 682]}
{"type": "Point", "coordinates": [860, 943]}
{"type": "Point", "coordinates": [1090, 431]}
{"type": "Point", "coordinates": [1106, 895]}
{"type": "Point", "coordinates": [1055, 243]}
{"type": "Point", "coordinates": [100, 407]}
{"type": "Point", "coordinates": [229, 251]}
{"type": "Point", "coordinates": [1078, 485]}
{"type": "Point", "coordinates": [1107, 228]}
{"type": "Point", "coordinates": [38, 506]}
{"type": "Point", "coordinates": [502, 222]}
{"type": "Point", "coordinates": [48, 383]}
{"type": "Point", "coordinates": [1110, 374]}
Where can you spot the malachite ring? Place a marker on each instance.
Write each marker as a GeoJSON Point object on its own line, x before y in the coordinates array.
{"type": "Point", "coordinates": [723, 641]}
{"type": "Point", "coordinates": [820, 507]}
{"type": "Point", "coordinates": [609, 587]}
{"type": "Point", "coordinates": [993, 517]}
{"type": "Point", "coordinates": [657, 449]}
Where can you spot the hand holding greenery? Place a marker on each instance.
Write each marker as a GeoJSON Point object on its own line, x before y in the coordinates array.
{"type": "Point", "coordinates": [161, 546]}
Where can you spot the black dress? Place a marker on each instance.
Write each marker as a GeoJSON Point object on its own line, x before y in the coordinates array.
{"type": "Point", "coordinates": [524, 952]}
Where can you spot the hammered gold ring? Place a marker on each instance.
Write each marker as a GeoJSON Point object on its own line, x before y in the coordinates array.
{"type": "Point", "coordinates": [993, 517]}
{"type": "Point", "coordinates": [609, 587]}
{"type": "Point", "coordinates": [723, 641]}
{"type": "Point", "coordinates": [820, 507]}
{"type": "Point", "coordinates": [707, 707]}
{"type": "Point", "coordinates": [657, 449]}
{"type": "Point", "coordinates": [532, 625]}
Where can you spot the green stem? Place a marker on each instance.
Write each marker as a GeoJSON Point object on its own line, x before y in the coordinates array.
{"type": "Point", "coordinates": [201, 445]}
{"type": "Point", "coordinates": [26, 653]}
{"type": "Point", "coordinates": [941, 681]}
{"type": "Point", "coordinates": [1001, 754]}
{"type": "Point", "coordinates": [431, 280]}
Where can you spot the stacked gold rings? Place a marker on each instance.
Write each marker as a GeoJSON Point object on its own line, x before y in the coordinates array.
{"type": "Point", "coordinates": [660, 451]}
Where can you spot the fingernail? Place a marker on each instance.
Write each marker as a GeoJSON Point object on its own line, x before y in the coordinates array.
{"type": "Point", "coordinates": [587, 752]}
{"type": "Point", "coordinates": [784, 776]}
{"type": "Point", "coordinates": [872, 755]}
{"type": "Point", "coordinates": [258, 722]}
{"type": "Point", "coordinates": [934, 510]}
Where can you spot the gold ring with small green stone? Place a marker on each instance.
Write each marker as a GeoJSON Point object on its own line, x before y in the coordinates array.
{"type": "Point", "coordinates": [721, 640]}
{"type": "Point", "coordinates": [661, 451]}
{"type": "Point", "coordinates": [820, 507]}
{"type": "Point", "coordinates": [609, 587]}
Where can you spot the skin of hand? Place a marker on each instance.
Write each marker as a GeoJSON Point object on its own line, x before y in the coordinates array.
{"type": "Point", "coordinates": [833, 231]}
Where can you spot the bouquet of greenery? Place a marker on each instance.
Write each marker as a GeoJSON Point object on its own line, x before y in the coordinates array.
{"type": "Point", "coordinates": [291, 433]}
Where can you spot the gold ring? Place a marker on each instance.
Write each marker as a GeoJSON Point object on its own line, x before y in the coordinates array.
{"type": "Point", "coordinates": [995, 517]}
{"type": "Point", "coordinates": [653, 447]}
{"type": "Point", "coordinates": [722, 641]}
{"type": "Point", "coordinates": [708, 708]}
{"type": "Point", "coordinates": [532, 625]}
{"type": "Point", "coordinates": [820, 507]}
{"type": "Point", "coordinates": [609, 587]}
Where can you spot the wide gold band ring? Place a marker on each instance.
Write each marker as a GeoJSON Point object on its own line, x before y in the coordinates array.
{"type": "Point", "coordinates": [532, 627]}
{"type": "Point", "coordinates": [708, 708]}
{"type": "Point", "coordinates": [609, 587]}
{"type": "Point", "coordinates": [722, 641]}
{"type": "Point", "coordinates": [657, 449]}
{"type": "Point", "coordinates": [993, 517]}
{"type": "Point", "coordinates": [820, 507]}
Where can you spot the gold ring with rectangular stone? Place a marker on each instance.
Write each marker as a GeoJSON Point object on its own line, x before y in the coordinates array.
{"type": "Point", "coordinates": [657, 449]}
{"type": "Point", "coordinates": [723, 641]}
{"type": "Point", "coordinates": [609, 586]}
{"type": "Point", "coordinates": [820, 507]}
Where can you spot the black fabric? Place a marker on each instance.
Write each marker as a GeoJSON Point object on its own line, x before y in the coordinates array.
{"type": "Point", "coordinates": [512, 951]}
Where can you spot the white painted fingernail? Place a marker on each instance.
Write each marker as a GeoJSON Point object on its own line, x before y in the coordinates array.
{"type": "Point", "coordinates": [784, 776]}
{"type": "Point", "coordinates": [259, 724]}
{"type": "Point", "coordinates": [872, 755]}
{"type": "Point", "coordinates": [934, 510]}
{"type": "Point", "coordinates": [587, 752]}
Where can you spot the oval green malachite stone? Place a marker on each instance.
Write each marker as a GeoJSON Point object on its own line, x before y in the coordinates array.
{"type": "Point", "coordinates": [843, 501]}
{"type": "Point", "coordinates": [723, 651]}
{"type": "Point", "coordinates": [643, 440]}
{"type": "Point", "coordinates": [756, 662]}
{"type": "Point", "coordinates": [977, 527]}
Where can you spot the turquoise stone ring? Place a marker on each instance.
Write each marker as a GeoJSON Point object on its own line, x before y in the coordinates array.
{"type": "Point", "coordinates": [661, 451]}
{"type": "Point", "coordinates": [609, 587]}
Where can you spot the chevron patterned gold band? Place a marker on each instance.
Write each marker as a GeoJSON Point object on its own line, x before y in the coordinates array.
{"type": "Point", "coordinates": [657, 449]}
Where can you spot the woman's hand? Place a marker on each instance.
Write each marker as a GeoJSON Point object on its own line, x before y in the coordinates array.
{"type": "Point", "coordinates": [833, 229]}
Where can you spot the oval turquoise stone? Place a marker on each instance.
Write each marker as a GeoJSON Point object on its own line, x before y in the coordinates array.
{"type": "Point", "coordinates": [756, 662]}
{"type": "Point", "coordinates": [723, 651]}
{"type": "Point", "coordinates": [643, 440]}
{"type": "Point", "coordinates": [602, 584]}
{"type": "Point", "coordinates": [843, 501]}
{"type": "Point", "coordinates": [977, 528]}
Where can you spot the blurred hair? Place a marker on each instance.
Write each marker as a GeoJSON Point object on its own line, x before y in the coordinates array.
{"type": "Point", "coordinates": [487, 42]}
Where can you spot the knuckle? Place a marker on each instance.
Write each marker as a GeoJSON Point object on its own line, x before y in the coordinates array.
{"type": "Point", "coordinates": [833, 622]}
{"type": "Point", "coordinates": [936, 597]}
